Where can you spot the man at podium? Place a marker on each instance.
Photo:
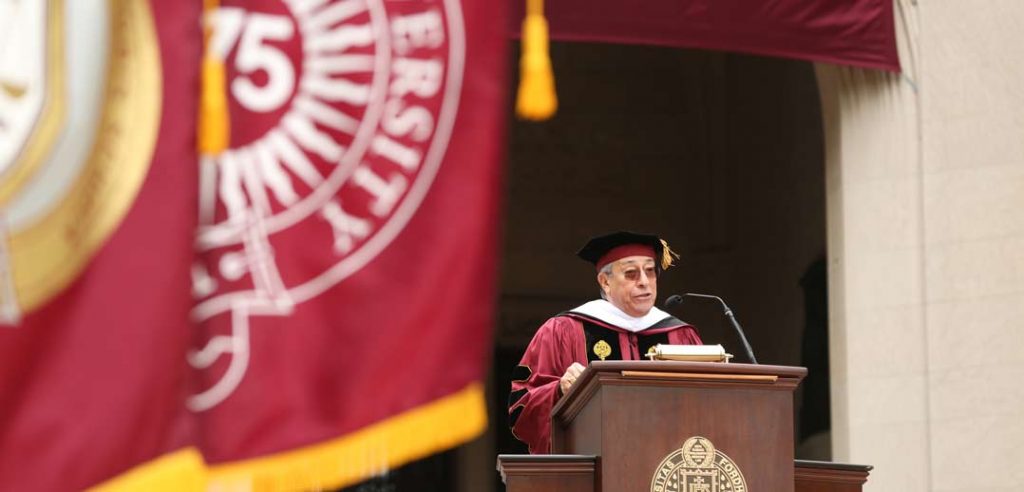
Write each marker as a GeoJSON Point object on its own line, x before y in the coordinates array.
{"type": "Point", "coordinates": [622, 325]}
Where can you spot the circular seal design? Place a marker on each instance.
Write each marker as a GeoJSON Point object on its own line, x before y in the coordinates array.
{"type": "Point", "coordinates": [61, 198]}
{"type": "Point", "coordinates": [341, 112]}
{"type": "Point", "coordinates": [698, 467]}
{"type": "Point", "coordinates": [602, 349]}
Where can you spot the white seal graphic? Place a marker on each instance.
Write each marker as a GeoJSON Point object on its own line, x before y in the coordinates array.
{"type": "Point", "coordinates": [346, 108]}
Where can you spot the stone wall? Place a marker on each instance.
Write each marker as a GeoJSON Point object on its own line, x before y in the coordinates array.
{"type": "Point", "coordinates": [926, 252]}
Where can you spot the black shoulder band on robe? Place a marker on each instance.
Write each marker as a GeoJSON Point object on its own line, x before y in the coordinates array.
{"type": "Point", "coordinates": [668, 322]}
{"type": "Point", "coordinates": [598, 334]}
{"type": "Point", "coordinates": [612, 350]}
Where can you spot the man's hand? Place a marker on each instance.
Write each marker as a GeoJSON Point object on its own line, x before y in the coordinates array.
{"type": "Point", "coordinates": [570, 376]}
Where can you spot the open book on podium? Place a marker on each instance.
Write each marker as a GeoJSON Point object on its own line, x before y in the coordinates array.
{"type": "Point", "coordinates": [689, 353]}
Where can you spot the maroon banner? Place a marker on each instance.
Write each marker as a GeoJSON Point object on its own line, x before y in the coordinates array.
{"type": "Point", "coordinates": [347, 237]}
{"type": "Point", "coordinates": [860, 33]}
{"type": "Point", "coordinates": [311, 307]}
{"type": "Point", "coordinates": [98, 200]}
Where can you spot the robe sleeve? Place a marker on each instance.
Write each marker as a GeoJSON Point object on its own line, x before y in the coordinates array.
{"type": "Point", "coordinates": [535, 381]}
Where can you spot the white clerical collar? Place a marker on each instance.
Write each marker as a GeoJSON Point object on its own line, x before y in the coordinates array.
{"type": "Point", "coordinates": [607, 312]}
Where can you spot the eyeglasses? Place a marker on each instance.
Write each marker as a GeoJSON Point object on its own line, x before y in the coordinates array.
{"type": "Point", "coordinates": [632, 274]}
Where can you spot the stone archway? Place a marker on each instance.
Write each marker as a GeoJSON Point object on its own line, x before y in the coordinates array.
{"type": "Point", "coordinates": [720, 153]}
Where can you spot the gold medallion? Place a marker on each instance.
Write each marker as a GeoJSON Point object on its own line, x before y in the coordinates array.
{"type": "Point", "coordinates": [698, 467]}
{"type": "Point", "coordinates": [602, 349]}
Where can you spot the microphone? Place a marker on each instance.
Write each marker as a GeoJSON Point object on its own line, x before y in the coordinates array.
{"type": "Point", "coordinates": [676, 299]}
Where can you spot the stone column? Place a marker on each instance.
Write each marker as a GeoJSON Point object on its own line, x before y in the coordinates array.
{"type": "Point", "coordinates": [925, 183]}
{"type": "Point", "coordinates": [972, 116]}
{"type": "Point", "coordinates": [876, 255]}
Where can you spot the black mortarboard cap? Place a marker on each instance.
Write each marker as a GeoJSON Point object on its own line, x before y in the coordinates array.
{"type": "Point", "coordinates": [604, 249]}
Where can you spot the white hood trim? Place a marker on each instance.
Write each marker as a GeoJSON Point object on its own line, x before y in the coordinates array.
{"type": "Point", "coordinates": [607, 312]}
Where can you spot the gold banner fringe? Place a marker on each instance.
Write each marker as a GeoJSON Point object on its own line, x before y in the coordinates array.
{"type": "Point", "coordinates": [180, 470]}
{"type": "Point", "coordinates": [368, 452]}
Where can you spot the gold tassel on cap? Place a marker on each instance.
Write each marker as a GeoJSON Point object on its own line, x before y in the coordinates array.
{"type": "Point", "coordinates": [213, 128]}
{"type": "Point", "coordinates": [536, 99]}
{"type": "Point", "coordinates": [668, 256]}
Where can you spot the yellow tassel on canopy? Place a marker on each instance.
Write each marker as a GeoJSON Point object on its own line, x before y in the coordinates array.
{"type": "Point", "coordinates": [668, 256]}
{"type": "Point", "coordinates": [536, 99]}
{"type": "Point", "coordinates": [213, 132]}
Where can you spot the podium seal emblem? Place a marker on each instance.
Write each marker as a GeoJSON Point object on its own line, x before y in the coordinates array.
{"type": "Point", "coordinates": [698, 467]}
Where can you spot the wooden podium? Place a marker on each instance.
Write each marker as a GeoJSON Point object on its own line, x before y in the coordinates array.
{"type": "Point", "coordinates": [666, 426]}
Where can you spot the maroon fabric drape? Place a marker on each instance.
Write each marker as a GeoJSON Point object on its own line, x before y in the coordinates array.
{"type": "Point", "coordinates": [318, 296]}
{"type": "Point", "coordinates": [92, 378]}
{"type": "Point", "coordinates": [350, 230]}
{"type": "Point", "coordinates": [860, 33]}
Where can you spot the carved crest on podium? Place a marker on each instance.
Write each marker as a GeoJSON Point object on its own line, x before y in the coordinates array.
{"type": "Point", "coordinates": [698, 467]}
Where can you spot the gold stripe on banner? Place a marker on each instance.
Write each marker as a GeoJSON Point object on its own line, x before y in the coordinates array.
{"type": "Point", "coordinates": [414, 434]}
{"type": "Point", "coordinates": [180, 470]}
{"type": "Point", "coordinates": [436, 426]}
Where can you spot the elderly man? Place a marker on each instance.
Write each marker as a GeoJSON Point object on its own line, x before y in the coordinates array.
{"type": "Point", "coordinates": [622, 325]}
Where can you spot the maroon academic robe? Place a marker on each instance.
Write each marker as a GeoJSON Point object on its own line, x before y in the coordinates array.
{"type": "Point", "coordinates": [567, 338]}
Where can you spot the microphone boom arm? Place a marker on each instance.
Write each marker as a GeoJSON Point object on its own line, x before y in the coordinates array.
{"type": "Point", "coordinates": [732, 319]}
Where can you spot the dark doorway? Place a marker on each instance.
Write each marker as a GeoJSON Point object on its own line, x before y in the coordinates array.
{"type": "Point", "coordinates": [721, 154]}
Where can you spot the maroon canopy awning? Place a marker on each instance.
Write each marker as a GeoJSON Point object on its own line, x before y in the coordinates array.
{"type": "Point", "coordinates": [849, 32]}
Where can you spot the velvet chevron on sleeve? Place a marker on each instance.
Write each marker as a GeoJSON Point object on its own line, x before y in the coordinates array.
{"type": "Point", "coordinates": [557, 344]}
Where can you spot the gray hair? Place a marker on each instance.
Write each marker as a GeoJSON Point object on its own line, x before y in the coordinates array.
{"type": "Point", "coordinates": [607, 270]}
